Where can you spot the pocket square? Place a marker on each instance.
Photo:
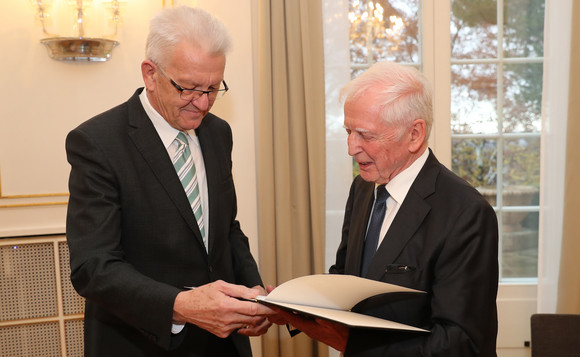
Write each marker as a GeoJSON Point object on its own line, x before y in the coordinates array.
{"type": "Point", "coordinates": [399, 269]}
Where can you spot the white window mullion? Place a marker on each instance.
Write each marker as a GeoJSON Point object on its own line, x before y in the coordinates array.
{"type": "Point", "coordinates": [436, 66]}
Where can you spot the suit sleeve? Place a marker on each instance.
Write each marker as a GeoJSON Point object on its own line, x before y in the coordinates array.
{"type": "Point", "coordinates": [339, 266]}
{"type": "Point", "coordinates": [99, 270]}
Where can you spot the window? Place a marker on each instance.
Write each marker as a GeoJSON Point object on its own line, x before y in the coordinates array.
{"type": "Point", "coordinates": [496, 96]}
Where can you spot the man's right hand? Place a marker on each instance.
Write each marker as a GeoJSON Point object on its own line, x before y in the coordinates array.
{"type": "Point", "coordinates": [216, 308]}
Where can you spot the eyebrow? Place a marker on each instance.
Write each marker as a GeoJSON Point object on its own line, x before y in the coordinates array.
{"type": "Point", "coordinates": [360, 130]}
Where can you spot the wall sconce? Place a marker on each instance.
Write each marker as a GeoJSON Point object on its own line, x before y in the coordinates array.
{"type": "Point", "coordinates": [89, 28]}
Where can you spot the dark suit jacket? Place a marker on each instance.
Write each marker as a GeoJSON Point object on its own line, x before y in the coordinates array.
{"type": "Point", "coordinates": [134, 241]}
{"type": "Point", "coordinates": [446, 234]}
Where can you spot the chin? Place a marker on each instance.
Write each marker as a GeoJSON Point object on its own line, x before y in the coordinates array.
{"type": "Point", "coordinates": [191, 124]}
{"type": "Point", "coordinates": [366, 177]}
{"type": "Point", "coordinates": [190, 120]}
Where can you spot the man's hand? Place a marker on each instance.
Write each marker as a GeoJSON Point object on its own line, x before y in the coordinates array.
{"type": "Point", "coordinates": [216, 308]}
{"type": "Point", "coordinates": [333, 334]}
{"type": "Point", "coordinates": [263, 325]}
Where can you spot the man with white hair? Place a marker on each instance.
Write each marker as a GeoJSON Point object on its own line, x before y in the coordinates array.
{"type": "Point", "coordinates": [410, 221]}
{"type": "Point", "coordinates": [155, 246]}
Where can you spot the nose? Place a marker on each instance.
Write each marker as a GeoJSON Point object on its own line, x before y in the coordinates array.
{"type": "Point", "coordinates": [202, 103]}
{"type": "Point", "coordinates": [353, 144]}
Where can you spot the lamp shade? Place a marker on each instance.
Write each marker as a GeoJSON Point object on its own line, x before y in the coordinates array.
{"type": "Point", "coordinates": [79, 30]}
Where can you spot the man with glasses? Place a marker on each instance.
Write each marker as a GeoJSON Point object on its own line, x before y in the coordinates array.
{"type": "Point", "coordinates": [155, 246]}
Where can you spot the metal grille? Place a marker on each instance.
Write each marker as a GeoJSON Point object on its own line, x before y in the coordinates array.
{"type": "Point", "coordinates": [40, 312]}
{"type": "Point", "coordinates": [27, 281]}
{"type": "Point", "coordinates": [74, 331]}
{"type": "Point", "coordinates": [72, 302]}
{"type": "Point", "coordinates": [30, 340]}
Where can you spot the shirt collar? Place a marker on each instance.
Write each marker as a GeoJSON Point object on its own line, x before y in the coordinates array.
{"type": "Point", "coordinates": [166, 132]}
{"type": "Point", "coordinates": [401, 184]}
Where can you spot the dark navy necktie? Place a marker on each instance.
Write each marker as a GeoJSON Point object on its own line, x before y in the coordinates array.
{"type": "Point", "coordinates": [374, 230]}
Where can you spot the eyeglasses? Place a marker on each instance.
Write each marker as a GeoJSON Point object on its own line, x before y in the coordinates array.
{"type": "Point", "coordinates": [194, 94]}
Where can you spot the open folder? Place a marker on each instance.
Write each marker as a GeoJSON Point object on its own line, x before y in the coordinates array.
{"type": "Point", "coordinates": [332, 296]}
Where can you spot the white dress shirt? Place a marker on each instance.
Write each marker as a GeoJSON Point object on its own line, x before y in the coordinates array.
{"type": "Point", "coordinates": [398, 188]}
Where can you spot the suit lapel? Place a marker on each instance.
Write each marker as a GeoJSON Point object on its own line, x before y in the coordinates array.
{"type": "Point", "coordinates": [405, 224]}
{"type": "Point", "coordinates": [413, 211]}
{"type": "Point", "coordinates": [212, 171]}
{"type": "Point", "coordinates": [147, 141]}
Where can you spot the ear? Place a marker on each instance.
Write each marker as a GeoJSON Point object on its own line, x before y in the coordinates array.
{"type": "Point", "coordinates": [148, 70]}
{"type": "Point", "coordinates": [417, 135]}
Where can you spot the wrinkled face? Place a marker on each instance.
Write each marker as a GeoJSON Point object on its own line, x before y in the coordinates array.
{"type": "Point", "coordinates": [381, 150]}
{"type": "Point", "coordinates": [189, 67]}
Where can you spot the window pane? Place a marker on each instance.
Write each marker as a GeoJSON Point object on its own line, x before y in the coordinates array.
{"type": "Point", "coordinates": [355, 72]}
{"type": "Point", "coordinates": [388, 29]}
{"type": "Point", "coordinates": [474, 99]}
{"type": "Point", "coordinates": [475, 160]}
{"type": "Point", "coordinates": [519, 248]}
{"type": "Point", "coordinates": [522, 101]}
{"type": "Point", "coordinates": [397, 39]}
{"type": "Point", "coordinates": [521, 172]}
{"type": "Point", "coordinates": [359, 23]}
{"type": "Point", "coordinates": [473, 29]}
{"type": "Point", "coordinates": [523, 28]}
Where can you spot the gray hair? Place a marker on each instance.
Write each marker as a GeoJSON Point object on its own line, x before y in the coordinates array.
{"type": "Point", "coordinates": [404, 94]}
{"type": "Point", "coordinates": [185, 24]}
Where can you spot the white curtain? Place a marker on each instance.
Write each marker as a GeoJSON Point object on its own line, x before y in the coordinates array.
{"type": "Point", "coordinates": [557, 41]}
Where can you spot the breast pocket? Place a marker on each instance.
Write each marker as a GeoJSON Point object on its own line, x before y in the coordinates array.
{"type": "Point", "coordinates": [409, 276]}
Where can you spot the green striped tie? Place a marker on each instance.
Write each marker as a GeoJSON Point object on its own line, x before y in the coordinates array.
{"type": "Point", "coordinates": [185, 167]}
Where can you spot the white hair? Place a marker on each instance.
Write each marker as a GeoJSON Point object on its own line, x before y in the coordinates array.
{"type": "Point", "coordinates": [185, 24]}
{"type": "Point", "coordinates": [403, 93]}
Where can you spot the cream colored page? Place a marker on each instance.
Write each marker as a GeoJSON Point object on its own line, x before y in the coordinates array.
{"type": "Point", "coordinates": [331, 291]}
{"type": "Point", "coordinates": [351, 319]}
